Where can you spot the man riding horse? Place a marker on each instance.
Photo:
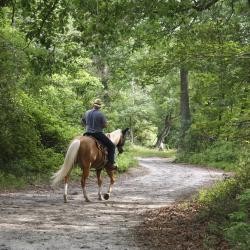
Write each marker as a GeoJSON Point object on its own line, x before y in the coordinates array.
{"type": "Point", "coordinates": [95, 121]}
{"type": "Point", "coordinates": [85, 151]}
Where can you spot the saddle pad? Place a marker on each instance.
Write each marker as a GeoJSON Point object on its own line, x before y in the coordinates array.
{"type": "Point", "coordinates": [99, 145]}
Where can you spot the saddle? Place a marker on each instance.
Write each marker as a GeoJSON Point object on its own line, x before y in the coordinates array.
{"type": "Point", "coordinates": [103, 152]}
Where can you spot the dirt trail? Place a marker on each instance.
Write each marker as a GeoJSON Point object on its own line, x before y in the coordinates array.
{"type": "Point", "coordinates": [39, 219]}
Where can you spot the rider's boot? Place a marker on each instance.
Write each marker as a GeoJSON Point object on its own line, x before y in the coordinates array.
{"type": "Point", "coordinates": [110, 166]}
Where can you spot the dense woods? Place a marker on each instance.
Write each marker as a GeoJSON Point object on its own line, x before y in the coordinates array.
{"type": "Point", "coordinates": [175, 72]}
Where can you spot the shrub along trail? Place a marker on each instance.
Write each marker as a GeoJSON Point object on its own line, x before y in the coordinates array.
{"type": "Point", "coordinates": [38, 218]}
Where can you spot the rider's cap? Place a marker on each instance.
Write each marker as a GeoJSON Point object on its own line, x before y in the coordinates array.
{"type": "Point", "coordinates": [97, 103]}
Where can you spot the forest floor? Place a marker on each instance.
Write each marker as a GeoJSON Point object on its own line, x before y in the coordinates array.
{"type": "Point", "coordinates": [38, 218]}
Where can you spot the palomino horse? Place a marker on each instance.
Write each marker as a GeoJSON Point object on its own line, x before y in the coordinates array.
{"type": "Point", "coordinates": [85, 151]}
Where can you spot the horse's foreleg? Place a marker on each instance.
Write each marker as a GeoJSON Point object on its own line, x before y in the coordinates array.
{"type": "Point", "coordinates": [99, 181]}
{"type": "Point", "coordinates": [112, 181]}
{"type": "Point", "coordinates": [65, 188]}
{"type": "Point", "coordinates": [85, 175]}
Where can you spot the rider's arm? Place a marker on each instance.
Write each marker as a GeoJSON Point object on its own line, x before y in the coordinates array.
{"type": "Point", "coordinates": [104, 122]}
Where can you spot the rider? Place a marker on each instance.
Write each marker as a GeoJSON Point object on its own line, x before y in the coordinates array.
{"type": "Point", "coordinates": [95, 122]}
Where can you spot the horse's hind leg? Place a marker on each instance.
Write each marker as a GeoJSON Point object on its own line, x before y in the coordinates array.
{"type": "Point", "coordinates": [112, 181]}
{"type": "Point", "coordinates": [65, 188]}
{"type": "Point", "coordinates": [99, 181]}
{"type": "Point", "coordinates": [85, 175]}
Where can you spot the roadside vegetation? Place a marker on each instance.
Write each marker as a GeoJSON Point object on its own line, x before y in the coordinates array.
{"type": "Point", "coordinates": [226, 206]}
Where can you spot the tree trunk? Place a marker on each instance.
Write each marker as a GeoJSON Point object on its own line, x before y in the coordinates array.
{"type": "Point", "coordinates": [164, 133]}
{"type": "Point", "coordinates": [104, 79]}
{"type": "Point", "coordinates": [131, 119]}
{"type": "Point", "coordinates": [184, 103]}
{"type": "Point", "coordinates": [131, 130]}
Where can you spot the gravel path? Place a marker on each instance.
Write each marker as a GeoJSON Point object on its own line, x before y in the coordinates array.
{"type": "Point", "coordinates": [38, 219]}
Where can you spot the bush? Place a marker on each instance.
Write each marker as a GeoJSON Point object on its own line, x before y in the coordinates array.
{"type": "Point", "coordinates": [8, 181]}
{"type": "Point", "coordinates": [238, 231]}
{"type": "Point", "coordinates": [238, 235]}
{"type": "Point", "coordinates": [220, 199]}
{"type": "Point", "coordinates": [221, 154]}
{"type": "Point", "coordinates": [228, 203]}
{"type": "Point", "coordinates": [125, 161]}
{"type": "Point", "coordinates": [37, 168]}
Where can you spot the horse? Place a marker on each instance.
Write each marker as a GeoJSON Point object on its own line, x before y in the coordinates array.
{"type": "Point", "coordinates": [87, 152]}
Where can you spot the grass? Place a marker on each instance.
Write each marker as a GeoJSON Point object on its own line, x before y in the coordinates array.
{"type": "Point", "coordinates": [150, 152]}
{"type": "Point", "coordinates": [12, 182]}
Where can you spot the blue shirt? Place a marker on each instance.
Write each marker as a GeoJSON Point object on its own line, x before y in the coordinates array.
{"type": "Point", "coordinates": [95, 121]}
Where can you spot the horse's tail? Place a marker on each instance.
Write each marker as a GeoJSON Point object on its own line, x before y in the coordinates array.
{"type": "Point", "coordinates": [69, 162]}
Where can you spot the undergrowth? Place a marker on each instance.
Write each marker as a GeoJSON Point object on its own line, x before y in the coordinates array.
{"type": "Point", "coordinates": [33, 171]}
{"type": "Point", "coordinates": [150, 152]}
{"type": "Point", "coordinates": [227, 207]}
{"type": "Point", "coordinates": [221, 154]}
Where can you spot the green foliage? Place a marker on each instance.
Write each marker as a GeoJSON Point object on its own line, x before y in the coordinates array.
{"type": "Point", "coordinates": [17, 126]}
{"type": "Point", "coordinates": [225, 193]}
{"type": "Point", "coordinates": [244, 200]}
{"type": "Point", "coordinates": [147, 152]}
{"type": "Point", "coordinates": [30, 170]}
{"type": "Point", "coordinates": [124, 112]}
{"type": "Point", "coordinates": [40, 112]}
{"type": "Point", "coordinates": [227, 204]}
{"type": "Point", "coordinates": [243, 171]}
{"type": "Point", "coordinates": [238, 230]}
{"type": "Point", "coordinates": [10, 181]}
{"type": "Point", "coordinates": [221, 154]}
{"type": "Point", "coordinates": [126, 161]}
{"type": "Point", "coordinates": [238, 234]}
{"type": "Point", "coordinates": [220, 198]}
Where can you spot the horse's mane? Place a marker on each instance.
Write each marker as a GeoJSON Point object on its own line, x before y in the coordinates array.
{"type": "Point", "coordinates": [115, 136]}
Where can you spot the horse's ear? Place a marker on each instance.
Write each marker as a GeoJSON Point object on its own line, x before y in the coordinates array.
{"type": "Point", "coordinates": [125, 131]}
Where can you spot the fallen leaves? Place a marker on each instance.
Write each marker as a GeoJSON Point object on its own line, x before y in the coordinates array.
{"type": "Point", "coordinates": [175, 227]}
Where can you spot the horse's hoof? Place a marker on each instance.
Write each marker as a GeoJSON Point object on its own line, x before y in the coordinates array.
{"type": "Point", "coordinates": [87, 200]}
{"type": "Point", "coordinates": [106, 196]}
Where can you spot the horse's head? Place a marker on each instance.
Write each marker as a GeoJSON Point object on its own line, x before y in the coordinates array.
{"type": "Point", "coordinates": [122, 140]}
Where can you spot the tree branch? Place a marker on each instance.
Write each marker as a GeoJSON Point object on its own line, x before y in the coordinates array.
{"type": "Point", "coordinates": [13, 12]}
